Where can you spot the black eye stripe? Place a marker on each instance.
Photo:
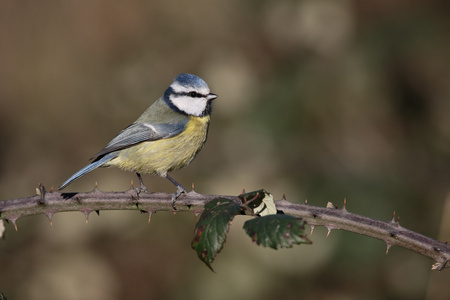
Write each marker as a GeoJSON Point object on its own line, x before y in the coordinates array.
{"type": "Point", "coordinates": [190, 94]}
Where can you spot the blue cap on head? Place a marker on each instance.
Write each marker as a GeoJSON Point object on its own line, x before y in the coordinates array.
{"type": "Point", "coordinates": [190, 80]}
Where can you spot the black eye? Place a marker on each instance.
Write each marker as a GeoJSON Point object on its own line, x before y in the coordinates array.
{"type": "Point", "coordinates": [193, 94]}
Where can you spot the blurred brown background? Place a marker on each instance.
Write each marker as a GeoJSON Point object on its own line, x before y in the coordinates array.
{"type": "Point", "coordinates": [322, 100]}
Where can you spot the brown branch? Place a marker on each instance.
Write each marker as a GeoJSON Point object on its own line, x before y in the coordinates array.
{"type": "Point", "coordinates": [390, 232]}
{"type": "Point", "coordinates": [54, 202]}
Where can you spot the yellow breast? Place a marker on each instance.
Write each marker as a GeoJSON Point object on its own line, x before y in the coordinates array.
{"type": "Point", "coordinates": [165, 155]}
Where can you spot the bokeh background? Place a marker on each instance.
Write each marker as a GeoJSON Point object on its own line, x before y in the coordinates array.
{"type": "Point", "coordinates": [322, 100]}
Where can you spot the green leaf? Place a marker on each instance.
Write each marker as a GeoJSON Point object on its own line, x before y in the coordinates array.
{"type": "Point", "coordinates": [260, 202]}
{"type": "Point", "coordinates": [277, 231]}
{"type": "Point", "coordinates": [212, 228]}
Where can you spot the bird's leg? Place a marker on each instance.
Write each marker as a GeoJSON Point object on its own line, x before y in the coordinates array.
{"type": "Point", "coordinates": [180, 190]}
{"type": "Point", "coordinates": [142, 188]}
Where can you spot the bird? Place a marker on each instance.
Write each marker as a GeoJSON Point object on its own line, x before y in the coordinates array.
{"type": "Point", "coordinates": [165, 138]}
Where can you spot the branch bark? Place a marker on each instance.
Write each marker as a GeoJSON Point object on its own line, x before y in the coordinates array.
{"type": "Point", "coordinates": [332, 218]}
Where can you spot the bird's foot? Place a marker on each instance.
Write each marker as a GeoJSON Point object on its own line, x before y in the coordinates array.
{"type": "Point", "coordinates": [180, 190]}
{"type": "Point", "coordinates": [141, 189]}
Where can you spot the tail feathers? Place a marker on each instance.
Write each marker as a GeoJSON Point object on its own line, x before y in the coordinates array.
{"type": "Point", "coordinates": [94, 165]}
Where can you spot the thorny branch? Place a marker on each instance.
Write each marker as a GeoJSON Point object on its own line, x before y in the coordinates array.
{"type": "Point", "coordinates": [391, 233]}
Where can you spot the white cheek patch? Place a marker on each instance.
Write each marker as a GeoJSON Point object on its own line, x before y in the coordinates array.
{"type": "Point", "coordinates": [191, 106]}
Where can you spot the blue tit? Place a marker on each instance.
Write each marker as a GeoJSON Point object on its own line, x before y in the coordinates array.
{"type": "Point", "coordinates": [165, 138]}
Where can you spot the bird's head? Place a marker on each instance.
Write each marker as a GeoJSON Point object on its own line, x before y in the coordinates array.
{"type": "Point", "coordinates": [190, 95]}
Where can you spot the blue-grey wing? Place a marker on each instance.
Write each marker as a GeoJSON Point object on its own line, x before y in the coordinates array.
{"type": "Point", "coordinates": [141, 132]}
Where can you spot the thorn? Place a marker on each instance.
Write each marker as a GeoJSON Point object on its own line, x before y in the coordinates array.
{"type": "Point", "coordinates": [51, 189]}
{"type": "Point", "coordinates": [306, 201]}
{"type": "Point", "coordinates": [13, 221]}
{"type": "Point", "coordinates": [388, 246]}
{"type": "Point", "coordinates": [312, 229]}
{"type": "Point", "coordinates": [393, 217]}
{"type": "Point", "coordinates": [329, 230]}
{"type": "Point", "coordinates": [398, 221]}
{"type": "Point", "coordinates": [49, 216]}
{"type": "Point", "coordinates": [98, 212]}
{"type": "Point", "coordinates": [149, 216]}
{"type": "Point", "coordinates": [344, 207]}
{"type": "Point", "coordinates": [150, 213]}
{"type": "Point", "coordinates": [86, 213]}
{"type": "Point", "coordinates": [96, 188]}
{"type": "Point", "coordinates": [193, 186]}
{"type": "Point", "coordinates": [243, 190]}
{"type": "Point", "coordinates": [284, 196]}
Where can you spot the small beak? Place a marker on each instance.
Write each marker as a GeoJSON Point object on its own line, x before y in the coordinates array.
{"type": "Point", "coordinates": [211, 96]}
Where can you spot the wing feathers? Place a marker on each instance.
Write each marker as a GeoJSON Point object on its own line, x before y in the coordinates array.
{"type": "Point", "coordinates": [141, 132]}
